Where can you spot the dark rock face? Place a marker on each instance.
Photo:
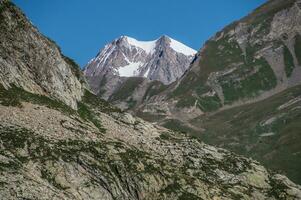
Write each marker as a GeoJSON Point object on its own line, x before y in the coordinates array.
{"type": "Point", "coordinates": [164, 60]}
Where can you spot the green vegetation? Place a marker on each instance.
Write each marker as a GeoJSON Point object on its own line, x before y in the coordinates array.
{"type": "Point", "coordinates": [288, 61]}
{"type": "Point", "coordinates": [224, 53]}
{"type": "Point", "coordinates": [14, 96]}
{"type": "Point", "coordinates": [131, 103]}
{"type": "Point", "coordinates": [75, 68]}
{"type": "Point", "coordinates": [217, 55]}
{"type": "Point", "coordinates": [126, 89]}
{"type": "Point", "coordinates": [260, 130]}
{"type": "Point", "coordinates": [87, 114]}
{"type": "Point", "coordinates": [186, 102]}
{"type": "Point", "coordinates": [249, 85]}
{"type": "Point", "coordinates": [297, 47]}
{"type": "Point", "coordinates": [171, 188]}
{"type": "Point", "coordinates": [154, 88]}
{"type": "Point", "coordinates": [209, 103]}
{"type": "Point", "coordinates": [95, 102]}
{"type": "Point", "coordinates": [189, 196]}
{"type": "Point", "coordinates": [251, 76]}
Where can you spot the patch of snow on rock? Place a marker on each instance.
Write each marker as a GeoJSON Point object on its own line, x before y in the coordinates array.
{"type": "Point", "coordinates": [147, 46]}
{"type": "Point", "coordinates": [181, 48]}
{"type": "Point", "coordinates": [129, 70]}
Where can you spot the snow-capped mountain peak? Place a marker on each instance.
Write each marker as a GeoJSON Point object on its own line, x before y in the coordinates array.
{"type": "Point", "coordinates": [163, 59]}
{"type": "Point", "coordinates": [147, 46]}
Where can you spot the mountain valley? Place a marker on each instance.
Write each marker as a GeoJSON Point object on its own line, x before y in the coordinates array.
{"type": "Point", "coordinates": [135, 122]}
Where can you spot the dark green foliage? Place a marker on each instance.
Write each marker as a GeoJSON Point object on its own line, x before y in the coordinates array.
{"type": "Point", "coordinates": [14, 96]}
{"type": "Point", "coordinates": [298, 48]}
{"type": "Point", "coordinates": [189, 82]}
{"type": "Point", "coordinates": [186, 102]}
{"type": "Point", "coordinates": [209, 103]}
{"type": "Point", "coordinates": [288, 61]}
{"type": "Point", "coordinates": [75, 68]}
{"type": "Point", "coordinates": [98, 103]}
{"type": "Point", "coordinates": [131, 103]}
{"type": "Point", "coordinates": [248, 85]}
{"type": "Point", "coordinates": [165, 136]}
{"type": "Point", "coordinates": [218, 55]}
{"type": "Point", "coordinates": [189, 196]}
{"type": "Point", "coordinates": [87, 114]}
{"type": "Point", "coordinates": [172, 188]}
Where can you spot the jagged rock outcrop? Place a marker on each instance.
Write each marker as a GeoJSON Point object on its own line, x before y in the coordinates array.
{"type": "Point", "coordinates": [33, 62]}
{"type": "Point", "coordinates": [164, 60]}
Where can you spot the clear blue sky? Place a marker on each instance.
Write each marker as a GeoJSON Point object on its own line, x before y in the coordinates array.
{"type": "Point", "coordinates": [82, 27]}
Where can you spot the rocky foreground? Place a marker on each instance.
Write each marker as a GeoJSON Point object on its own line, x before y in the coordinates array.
{"type": "Point", "coordinates": [49, 151]}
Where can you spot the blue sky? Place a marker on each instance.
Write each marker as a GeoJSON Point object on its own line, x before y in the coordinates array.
{"type": "Point", "coordinates": [82, 27]}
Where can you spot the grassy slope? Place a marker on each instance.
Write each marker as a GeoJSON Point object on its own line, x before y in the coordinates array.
{"type": "Point", "coordinates": [15, 96]}
{"type": "Point", "coordinates": [222, 54]}
{"type": "Point", "coordinates": [240, 129]}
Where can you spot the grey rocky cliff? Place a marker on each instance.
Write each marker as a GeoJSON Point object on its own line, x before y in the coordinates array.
{"type": "Point", "coordinates": [33, 62]}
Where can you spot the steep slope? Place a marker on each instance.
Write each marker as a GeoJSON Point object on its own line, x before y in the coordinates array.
{"type": "Point", "coordinates": [33, 62]}
{"type": "Point", "coordinates": [164, 60]}
{"type": "Point", "coordinates": [249, 61]}
{"type": "Point", "coordinates": [268, 131]}
{"type": "Point", "coordinates": [50, 151]}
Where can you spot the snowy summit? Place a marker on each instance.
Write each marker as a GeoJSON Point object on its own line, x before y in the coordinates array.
{"type": "Point", "coordinates": [163, 59]}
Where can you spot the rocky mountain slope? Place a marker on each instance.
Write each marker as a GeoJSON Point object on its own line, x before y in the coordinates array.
{"type": "Point", "coordinates": [48, 150]}
{"type": "Point", "coordinates": [164, 60]}
{"type": "Point", "coordinates": [248, 61]}
{"type": "Point", "coordinates": [33, 62]}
